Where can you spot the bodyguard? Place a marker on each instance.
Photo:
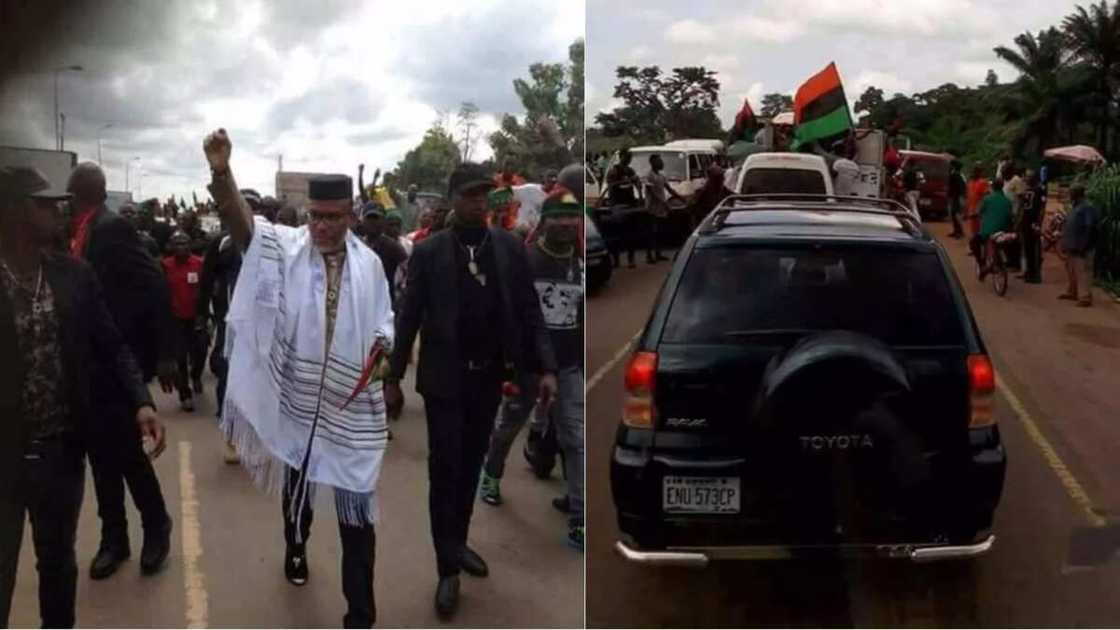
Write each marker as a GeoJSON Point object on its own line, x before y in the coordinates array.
{"type": "Point", "coordinates": [470, 295]}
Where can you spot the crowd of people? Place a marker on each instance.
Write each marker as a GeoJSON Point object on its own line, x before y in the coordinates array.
{"type": "Point", "coordinates": [1014, 203]}
{"type": "Point", "coordinates": [308, 321]}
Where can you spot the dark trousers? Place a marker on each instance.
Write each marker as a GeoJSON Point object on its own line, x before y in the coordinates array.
{"type": "Point", "coordinates": [955, 215]}
{"type": "Point", "coordinates": [116, 457]}
{"type": "Point", "coordinates": [358, 548]}
{"type": "Point", "coordinates": [1032, 253]}
{"type": "Point", "coordinates": [458, 437]}
{"type": "Point", "coordinates": [191, 353]}
{"type": "Point", "coordinates": [219, 366]}
{"type": "Point", "coordinates": [657, 226]}
{"type": "Point", "coordinates": [1014, 253]}
{"type": "Point", "coordinates": [49, 490]}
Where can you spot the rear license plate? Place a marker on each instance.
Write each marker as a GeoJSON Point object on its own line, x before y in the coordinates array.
{"type": "Point", "coordinates": [700, 495]}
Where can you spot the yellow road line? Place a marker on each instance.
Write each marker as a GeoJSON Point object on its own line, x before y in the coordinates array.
{"type": "Point", "coordinates": [601, 372]}
{"type": "Point", "coordinates": [1073, 487]}
{"type": "Point", "coordinates": [194, 580]}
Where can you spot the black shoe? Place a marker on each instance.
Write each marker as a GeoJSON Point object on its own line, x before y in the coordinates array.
{"type": "Point", "coordinates": [109, 558]}
{"type": "Point", "coordinates": [447, 596]}
{"type": "Point", "coordinates": [561, 503]}
{"type": "Point", "coordinates": [157, 545]}
{"type": "Point", "coordinates": [295, 565]}
{"type": "Point", "coordinates": [473, 564]}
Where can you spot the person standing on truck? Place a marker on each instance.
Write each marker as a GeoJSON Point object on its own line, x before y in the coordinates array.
{"type": "Point", "coordinates": [957, 187]}
{"type": "Point", "coordinates": [657, 197]}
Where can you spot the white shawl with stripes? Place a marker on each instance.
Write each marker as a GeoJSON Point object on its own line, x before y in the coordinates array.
{"type": "Point", "coordinates": [284, 397]}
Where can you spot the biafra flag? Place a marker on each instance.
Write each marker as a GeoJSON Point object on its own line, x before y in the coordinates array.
{"type": "Point", "coordinates": [820, 109]}
{"type": "Point", "coordinates": [744, 124]}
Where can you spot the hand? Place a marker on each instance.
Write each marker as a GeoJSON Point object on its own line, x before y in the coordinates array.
{"type": "Point", "coordinates": [547, 390]}
{"type": "Point", "coordinates": [167, 372]}
{"type": "Point", "coordinates": [361, 168]}
{"type": "Point", "coordinates": [152, 428]}
{"type": "Point", "coordinates": [394, 399]}
{"type": "Point", "coordinates": [218, 147]}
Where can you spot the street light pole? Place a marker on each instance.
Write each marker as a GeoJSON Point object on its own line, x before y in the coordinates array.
{"type": "Point", "coordinates": [57, 132]}
{"type": "Point", "coordinates": [127, 165]}
{"type": "Point", "coordinates": [103, 128]}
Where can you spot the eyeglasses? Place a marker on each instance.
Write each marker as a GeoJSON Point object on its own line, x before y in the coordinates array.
{"type": "Point", "coordinates": [329, 218]}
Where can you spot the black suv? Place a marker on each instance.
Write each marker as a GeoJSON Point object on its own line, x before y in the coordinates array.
{"type": "Point", "coordinates": [811, 381]}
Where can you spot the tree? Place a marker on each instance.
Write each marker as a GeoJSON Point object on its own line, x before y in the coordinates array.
{"type": "Point", "coordinates": [1093, 36]}
{"type": "Point", "coordinates": [992, 79]}
{"type": "Point", "coordinates": [467, 123]}
{"type": "Point", "coordinates": [657, 108]}
{"type": "Point", "coordinates": [776, 103]}
{"type": "Point", "coordinates": [431, 162]}
{"type": "Point", "coordinates": [551, 133]}
{"type": "Point", "coordinates": [870, 100]}
{"type": "Point", "coordinates": [1041, 61]}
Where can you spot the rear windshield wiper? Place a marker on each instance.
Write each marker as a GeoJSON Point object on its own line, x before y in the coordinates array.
{"type": "Point", "coordinates": [766, 332]}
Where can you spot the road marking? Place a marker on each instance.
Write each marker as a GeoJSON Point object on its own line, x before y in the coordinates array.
{"type": "Point", "coordinates": [194, 580]}
{"type": "Point", "coordinates": [1073, 487]}
{"type": "Point", "coordinates": [602, 371]}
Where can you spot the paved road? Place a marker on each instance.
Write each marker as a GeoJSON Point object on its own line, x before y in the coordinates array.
{"type": "Point", "coordinates": [1057, 410]}
{"type": "Point", "coordinates": [226, 568]}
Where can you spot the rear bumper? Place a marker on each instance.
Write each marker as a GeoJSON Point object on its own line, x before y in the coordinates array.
{"type": "Point", "coordinates": [699, 557]}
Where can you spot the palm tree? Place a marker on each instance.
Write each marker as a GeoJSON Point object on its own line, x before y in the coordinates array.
{"type": "Point", "coordinates": [1093, 36]}
{"type": "Point", "coordinates": [1043, 92]}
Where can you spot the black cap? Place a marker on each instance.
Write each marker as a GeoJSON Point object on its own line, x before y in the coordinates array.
{"type": "Point", "coordinates": [330, 188]}
{"type": "Point", "coordinates": [24, 181]}
{"type": "Point", "coordinates": [372, 208]}
{"type": "Point", "coordinates": [469, 175]}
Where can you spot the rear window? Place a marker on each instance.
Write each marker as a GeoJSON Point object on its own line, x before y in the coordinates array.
{"type": "Point", "coordinates": [743, 295]}
{"type": "Point", "coordinates": [675, 164]}
{"type": "Point", "coordinates": [933, 169]}
{"type": "Point", "coordinates": [782, 180]}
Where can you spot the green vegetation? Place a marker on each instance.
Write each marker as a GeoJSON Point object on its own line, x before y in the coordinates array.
{"type": "Point", "coordinates": [1103, 190]}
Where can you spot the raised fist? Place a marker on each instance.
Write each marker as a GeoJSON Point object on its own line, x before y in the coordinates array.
{"type": "Point", "coordinates": [217, 148]}
{"type": "Point", "coordinates": [361, 168]}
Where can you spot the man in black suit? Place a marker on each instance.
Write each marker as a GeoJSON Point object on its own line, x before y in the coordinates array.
{"type": "Point", "coordinates": [137, 296]}
{"type": "Point", "coordinates": [56, 333]}
{"type": "Point", "coordinates": [471, 293]}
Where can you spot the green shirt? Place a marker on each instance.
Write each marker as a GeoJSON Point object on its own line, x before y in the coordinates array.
{"type": "Point", "coordinates": [995, 214]}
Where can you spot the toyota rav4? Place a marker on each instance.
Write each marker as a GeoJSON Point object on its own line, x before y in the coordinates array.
{"type": "Point", "coordinates": [811, 380]}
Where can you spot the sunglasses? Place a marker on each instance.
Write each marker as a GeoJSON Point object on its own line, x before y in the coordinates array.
{"type": "Point", "coordinates": [328, 218]}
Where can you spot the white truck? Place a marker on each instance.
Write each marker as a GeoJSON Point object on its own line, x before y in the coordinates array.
{"type": "Point", "coordinates": [56, 165]}
{"type": "Point", "coordinates": [782, 173]}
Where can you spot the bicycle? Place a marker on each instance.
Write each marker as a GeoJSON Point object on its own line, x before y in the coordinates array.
{"type": "Point", "coordinates": [998, 267]}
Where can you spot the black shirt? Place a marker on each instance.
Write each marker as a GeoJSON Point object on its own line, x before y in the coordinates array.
{"type": "Point", "coordinates": [620, 185]}
{"type": "Point", "coordinates": [559, 284]}
{"type": "Point", "coordinates": [391, 253]}
{"type": "Point", "coordinates": [1034, 205]}
{"type": "Point", "coordinates": [956, 185]}
{"type": "Point", "coordinates": [480, 304]}
{"type": "Point", "coordinates": [910, 180]}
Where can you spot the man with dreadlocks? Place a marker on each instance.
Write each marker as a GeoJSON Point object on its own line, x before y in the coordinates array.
{"type": "Point", "coordinates": [309, 326]}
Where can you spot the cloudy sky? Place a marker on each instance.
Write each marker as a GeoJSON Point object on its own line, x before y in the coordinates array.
{"type": "Point", "coordinates": [763, 46]}
{"type": "Point", "coordinates": [327, 84]}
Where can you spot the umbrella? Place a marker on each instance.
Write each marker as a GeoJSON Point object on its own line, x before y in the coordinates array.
{"type": "Point", "coordinates": [1076, 153]}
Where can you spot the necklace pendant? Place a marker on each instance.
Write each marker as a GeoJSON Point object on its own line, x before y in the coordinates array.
{"type": "Point", "coordinates": [472, 267]}
{"type": "Point", "coordinates": [481, 279]}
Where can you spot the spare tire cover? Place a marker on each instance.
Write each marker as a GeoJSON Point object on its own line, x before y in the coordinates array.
{"type": "Point", "coordinates": [830, 346]}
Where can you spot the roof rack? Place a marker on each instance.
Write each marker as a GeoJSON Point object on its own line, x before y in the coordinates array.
{"type": "Point", "coordinates": [870, 205]}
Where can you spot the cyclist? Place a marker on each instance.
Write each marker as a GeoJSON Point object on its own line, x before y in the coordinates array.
{"type": "Point", "coordinates": [995, 216]}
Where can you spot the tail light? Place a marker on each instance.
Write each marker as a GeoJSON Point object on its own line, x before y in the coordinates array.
{"type": "Point", "coordinates": [981, 391]}
{"type": "Point", "coordinates": [637, 409]}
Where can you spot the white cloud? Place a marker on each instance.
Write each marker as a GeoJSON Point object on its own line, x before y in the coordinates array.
{"type": "Point", "coordinates": [639, 54]}
{"type": "Point", "coordinates": [690, 32]}
{"type": "Point", "coordinates": [769, 29]}
{"type": "Point", "coordinates": [885, 81]}
{"type": "Point", "coordinates": [925, 18]}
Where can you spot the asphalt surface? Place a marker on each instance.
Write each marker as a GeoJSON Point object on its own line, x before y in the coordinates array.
{"type": "Point", "coordinates": [1057, 408]}
{"type": "Point", "coordinates": [226, 564]}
